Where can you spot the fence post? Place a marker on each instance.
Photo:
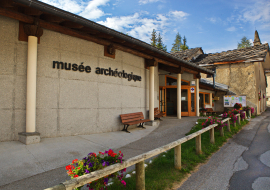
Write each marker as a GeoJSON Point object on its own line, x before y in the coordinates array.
{"type": "Point", "coordinates": [234, 124]}
{"type": "Point", "coordinates": [212, 135]}
{"type": "Point", "coordinates": [249, 111]}
{"type": "Point", "coordinates": [228, 125]}
{"type": "Point", "coordinates": [199, 144]}
{"type": "Point", "coordinates": [177, 157]}
{"type": "Point", "coordinates": [140, 176]}
{"type": "Point", "coordinates": [221, 132]}
{"type": "Point", "coordinates": [238, 119]}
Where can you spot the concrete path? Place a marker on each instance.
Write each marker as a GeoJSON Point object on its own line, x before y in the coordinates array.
{"type": "Point", "coordinates": [42, 165]}
{"type": "Point", "coordinates": [242, 163]}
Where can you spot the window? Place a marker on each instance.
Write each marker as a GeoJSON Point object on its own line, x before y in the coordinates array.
{"type": "Point", "coordinates": [207, 98]}
{"type": "Point", "coordinates": [204, 99]}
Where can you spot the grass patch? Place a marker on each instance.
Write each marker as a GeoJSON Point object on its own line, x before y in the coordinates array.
{"type": "Point", "coordinates": [161, 174]}
{"type": "Point", "coordinates": [253, 116]}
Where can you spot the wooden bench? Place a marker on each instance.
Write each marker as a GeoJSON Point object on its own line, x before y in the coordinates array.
{"type": "Point", "coordinates": [210, 110]}
{"type": "Point", "coordinates": [157, 114]}
{"type": "Point", "coordinates": [133, 119]}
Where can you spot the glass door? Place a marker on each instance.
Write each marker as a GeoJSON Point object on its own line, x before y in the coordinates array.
{"type": "Point", "coordinates": [162, 98]}
{"type": "Point", "coordinates": [188, 101]}
{"type": "Point", "coordinates": [184, 102]}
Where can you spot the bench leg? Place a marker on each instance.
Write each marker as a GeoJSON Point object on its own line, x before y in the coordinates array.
{"type": "Point", "coordinates": [125, 128]}
{"type": "Point", "coordinates": [141, 125]}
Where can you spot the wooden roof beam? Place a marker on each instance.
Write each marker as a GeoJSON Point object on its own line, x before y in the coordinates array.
{"type": "Point", "coordinates": [190, 71]}
{"type": "Point", "coordinates": [175, 70]}
{"type": "Point", "coordinates": [52, 18]}
{"type": "Point", "coordinates": [70, 24]}
{"type": "Point", "coordinates": [31, 11]}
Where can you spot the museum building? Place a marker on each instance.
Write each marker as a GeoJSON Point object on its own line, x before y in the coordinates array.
{"type": "Point", "coordinates": [64, 75]}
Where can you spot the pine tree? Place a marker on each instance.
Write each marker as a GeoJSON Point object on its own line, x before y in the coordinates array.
{"type": "Point", "coordinates": [154, 38]}
{"type": "Point", "coordinates": [184, 46]}
{"type": "Point", "coordinates": [177, 43]}
{"type": "Point", "coordinates": [160, 44]}
{"type": "Point", "coordinates": [244, 43]}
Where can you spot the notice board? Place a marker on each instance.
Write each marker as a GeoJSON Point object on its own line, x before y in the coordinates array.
{"type": "Point", "coordinates": [230, 100]}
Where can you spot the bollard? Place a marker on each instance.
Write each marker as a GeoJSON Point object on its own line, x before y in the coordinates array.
{"type": "Point", "coordinates": [177, 157]}
{"type": "Point", "coordinates": [199, 144]}
{"type": "Point", "coordinates": [212, 136]}
{"type": "Point", "coordinates": [140, 176]}
{"type": "Point", "coordinates": [228, 126]}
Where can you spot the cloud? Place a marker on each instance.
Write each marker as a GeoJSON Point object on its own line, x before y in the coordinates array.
{"type": "Point", "coordinates": [178, 14]}
{"type": "Point", "coordinates": [88, 10]}
{"type": "Point", "coordinates": [140, 26]}
{"type": "Point", "coordinates": [213, 20]}
{"type": "Point", "coordinates": [231, 29]}
{"type": "Point", "coordinates": [92, 11]}
{"type": "Point", "coordinates": [147, 1]}
{"type": "Point", "coordinates": [259, 12]}
{"type": "Point", "coordinates": [67, 5]}
{"type": "Point", "coordinates": [251, 41]}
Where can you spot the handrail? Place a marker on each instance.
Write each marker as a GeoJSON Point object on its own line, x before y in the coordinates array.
{"type": "Point", "coordinates": [87, 178]}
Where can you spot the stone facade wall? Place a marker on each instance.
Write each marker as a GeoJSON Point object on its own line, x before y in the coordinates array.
{"type": "Point", "coordinates": [240, 77]}
{"type": "Point", "coordinates": [68, 102]}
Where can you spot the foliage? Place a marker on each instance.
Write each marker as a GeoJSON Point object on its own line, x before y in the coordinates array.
{"type": "Point", "coordinates": [160, 44]}
{"type": "Point", "coordinates": [224, 115]}
{"type": "Point", "coordinates": [177, 43]}
{"type": "Point", "coordinates": [237, 106]}
{"type": "Point", "coordinates": [95, 162]}
{"type": "Point", "coordinates": [252, 110]}
{"type": "Point", "coordinates": [184, 46]}
{"type": "Point", "coordinates": [244, 43]}
{"type": "Point", "coordinates": [154, 38]}
{"type": "Point", "coordinates": [232, 115]}
{"type": "Point", "coordinates": [157, 41]}
{"type": "Point", "coordinates": [211, 121]}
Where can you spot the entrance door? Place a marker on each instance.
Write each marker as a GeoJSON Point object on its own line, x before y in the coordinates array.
{"type": "Point", "coordinates": [162, 100]}
{"type": "Point", "coordinates": [188, 101]}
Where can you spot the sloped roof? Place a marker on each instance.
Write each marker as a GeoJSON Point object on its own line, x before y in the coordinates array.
{"type": "Point", "coordinates": [187, 54]}
{"type": "Point", "coordinates": [254, 53]}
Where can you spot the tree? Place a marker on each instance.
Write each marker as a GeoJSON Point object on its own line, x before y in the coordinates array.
{"type": "Point", "coordinates": [244, 43]}
{"type": "Point", "coordinates": [160, 44]}
{"type": "Point", "coordinates": [154, 38]}
{"type": "Point", "coordinates": [184, 46]}
{"type": "Point", "coordinates": [177, 43]}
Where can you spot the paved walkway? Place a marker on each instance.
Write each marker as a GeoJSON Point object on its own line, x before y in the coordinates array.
{"type": "Point", "coordinates": [42, 165]}
{"type": "Point", "coordinates": [243, 163]}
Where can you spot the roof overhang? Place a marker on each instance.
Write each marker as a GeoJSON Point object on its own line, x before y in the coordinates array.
{"type": "Point", "coordinates": [52, 18]}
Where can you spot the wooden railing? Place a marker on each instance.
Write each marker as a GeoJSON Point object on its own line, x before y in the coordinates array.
{"type": "Point", "coordinates": [139, 160]}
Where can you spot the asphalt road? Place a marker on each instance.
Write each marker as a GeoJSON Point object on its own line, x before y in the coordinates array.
{"type": "Point", "coordinates": [242, 163]}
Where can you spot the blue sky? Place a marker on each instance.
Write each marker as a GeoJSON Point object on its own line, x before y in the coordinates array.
{"type": "Point", "coordinates": [214, 25]}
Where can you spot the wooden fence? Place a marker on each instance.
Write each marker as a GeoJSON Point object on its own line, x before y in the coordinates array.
{"type": "Point", "coordinates": [139, 160]}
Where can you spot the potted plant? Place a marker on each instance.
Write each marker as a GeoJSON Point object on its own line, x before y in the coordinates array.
{"type": "Point", "coordinates": [237, 106]}
{"type": "Point", "coordinates": [259, 95]}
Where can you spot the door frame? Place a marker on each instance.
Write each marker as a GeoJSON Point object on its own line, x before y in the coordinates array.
{"type": "Point", "coordinates": [189, 113]}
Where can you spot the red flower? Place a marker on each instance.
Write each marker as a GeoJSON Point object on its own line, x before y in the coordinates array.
{"type": "Point", "coordinates": [68, 167]}
{"type": "Point", "coordinates": [74, 161]}
{"type": "Point", "coordinates": [76, 176]}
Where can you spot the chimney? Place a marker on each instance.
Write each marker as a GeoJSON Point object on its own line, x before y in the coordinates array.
{"type": "Point", "coordinates": [257, 40]}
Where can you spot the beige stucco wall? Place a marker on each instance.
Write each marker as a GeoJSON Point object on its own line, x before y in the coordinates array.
{"type": "Point", "coordinates": [68, 102]}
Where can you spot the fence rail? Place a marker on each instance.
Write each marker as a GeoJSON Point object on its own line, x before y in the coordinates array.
{"type": "Point", "coordinates": [139, 160]}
